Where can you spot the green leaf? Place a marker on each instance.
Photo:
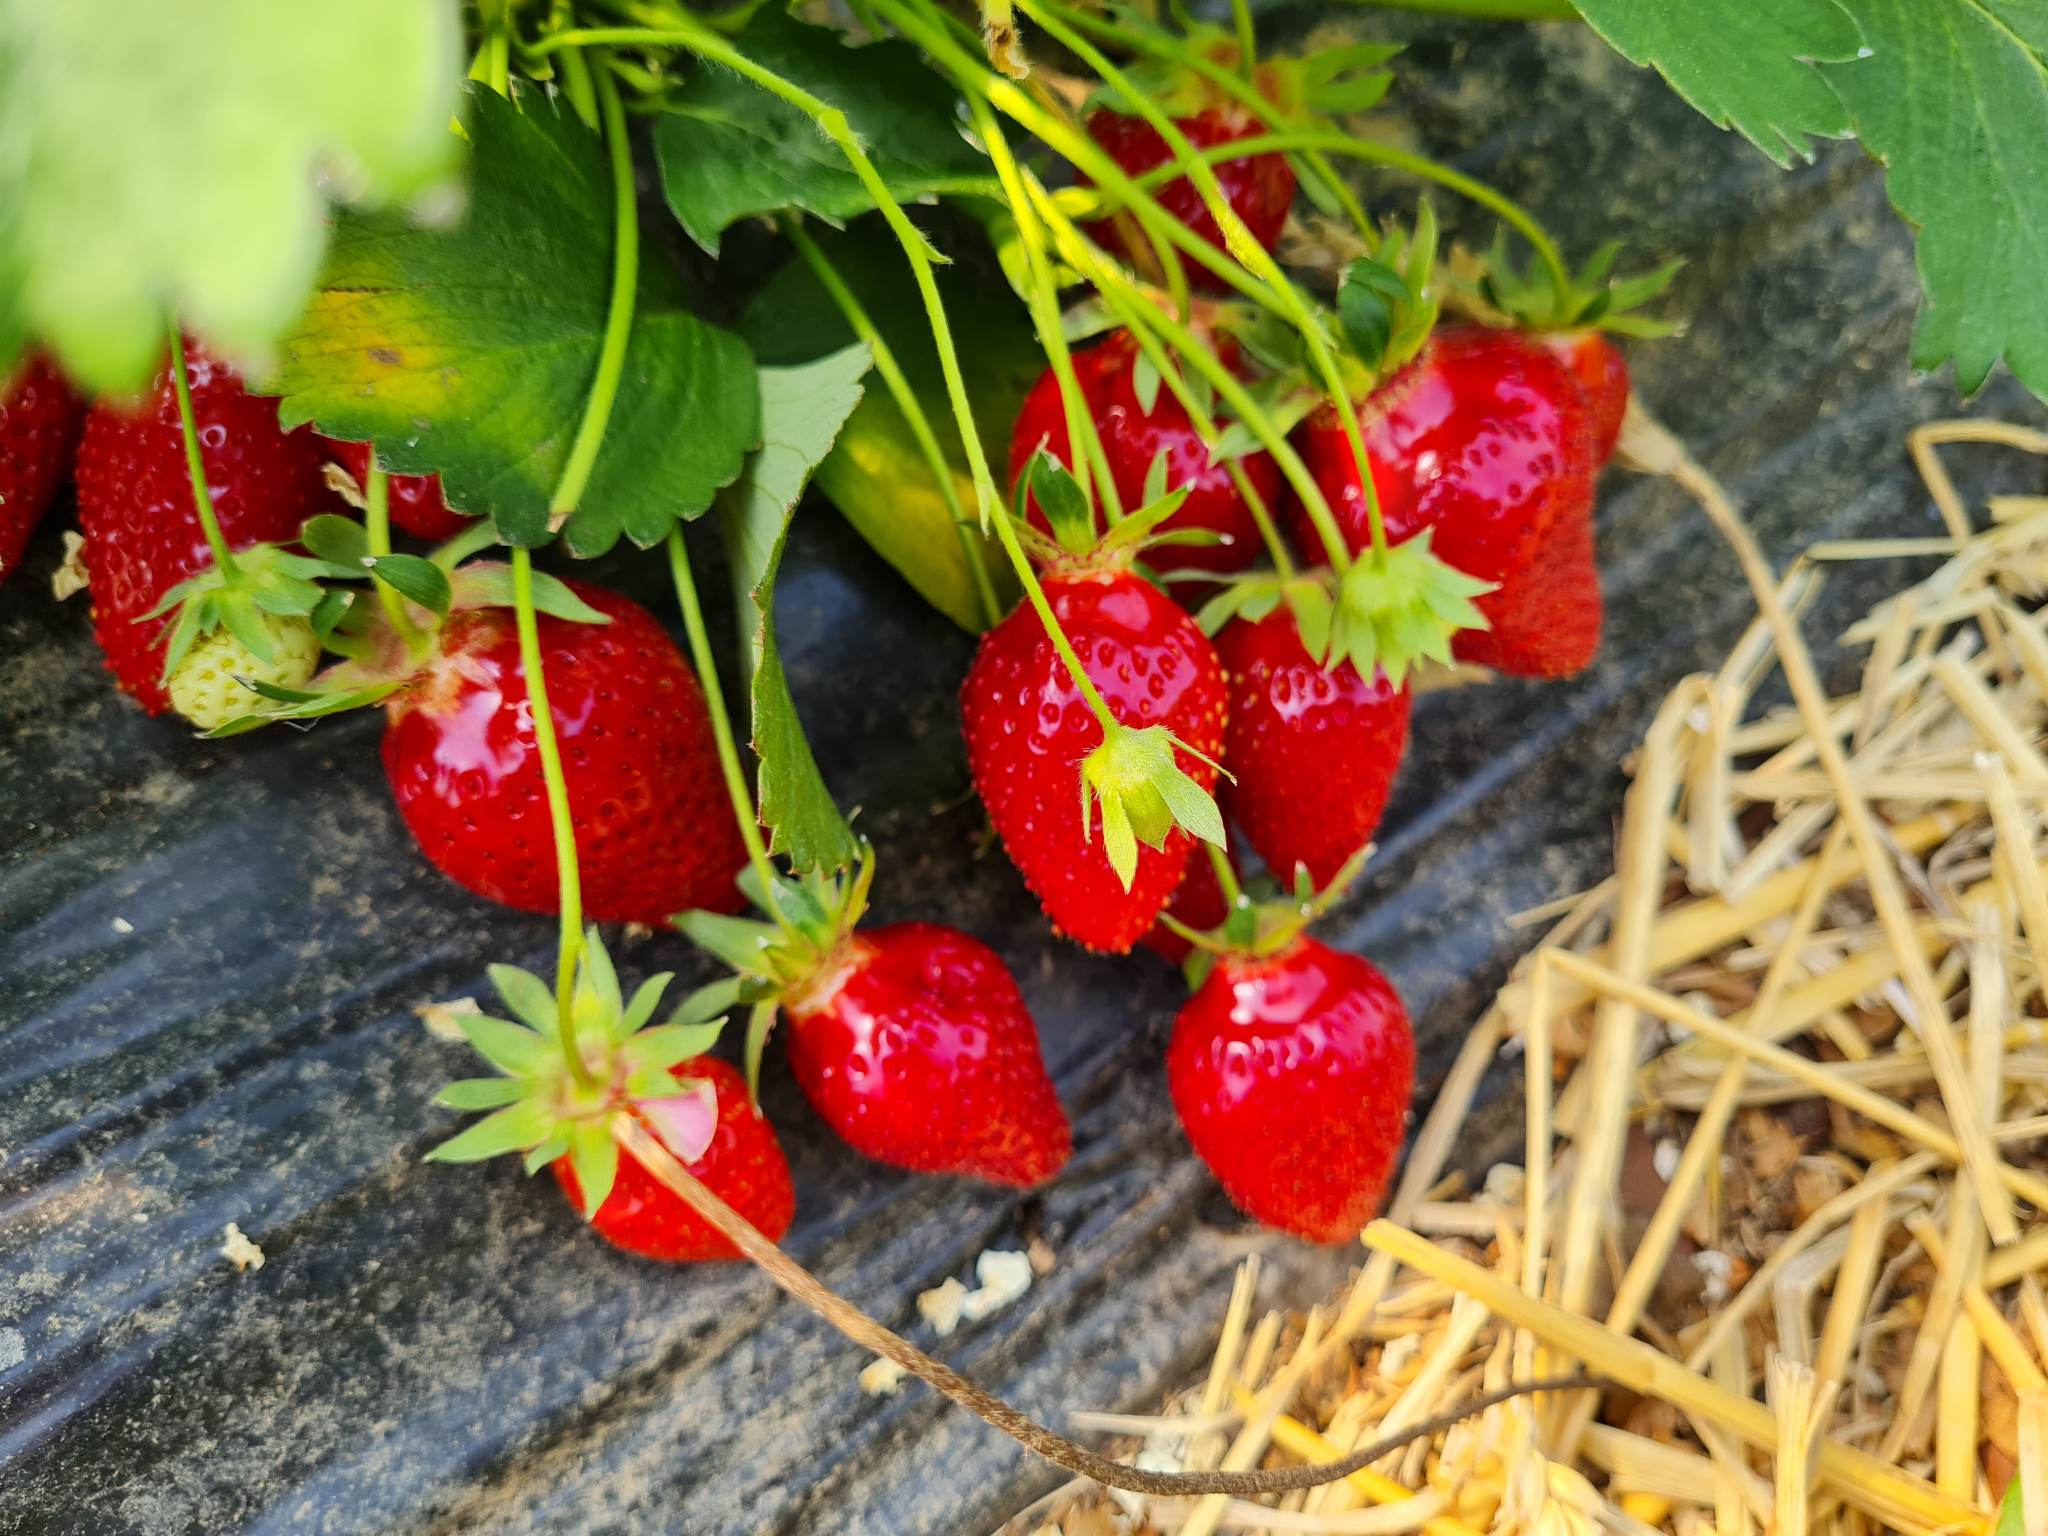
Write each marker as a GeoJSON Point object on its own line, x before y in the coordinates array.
{"type": "Point", "coordinates": [416, 580]}
{"type": "Point", "coordinates": [511, 1129]}
{"type": "Point", "coordinates": [1744, 64]}
{"type": "Point", "coordinates": [729, 150]}
{"type": "Point", "coordinates": [802, 410]}
{"type": "Point", "coordinates": [876, 475]}
{"type": "Point", "coordinates": [182, 156]}
{"type": "Point", "coordinates": [469, 351]}
{"type": "Point", "coordinates": [1954, 101]}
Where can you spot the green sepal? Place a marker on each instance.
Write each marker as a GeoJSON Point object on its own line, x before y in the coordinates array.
{"type": "Point", "coordinates": [1060, 497]}
{"type": "Point", "coordinates": [1143, 793]}
{"type": "Point", "coordinates": [596, 997]}
{"type": "Point", "coordinates": [531, 1000]}
{"type": "Point", "coordinates": [595, 1157]}
{"type": "Point", "coordinates": [760, 1025]}
{"type": "Point", "coordinates": [646, 999]}
{"type": "Point", "coordinates": [511, 1048]}
{"type": "Point", "coordinates": [293, 705]}
{"type": "Point", "coordinates": [338, 540]}
{"type": "Point", "coordinates": [1402, 607]}
{"type": "Point", "coordinates": [740, 942]}
{"type": "Point", "coordinates": [1592, 299]}
{"type": "Point", "coordinates": [488, 584]}
{"type": "Point", "coordinates": [1367, 294]}
{"type": "Point", "coordinates": [713, 1000]}
{"type": "Point", "coordinates": [328, 613]}
{"type": "Point", "coordinates": [1286, 399]}
{"type": "Point", "coordinates": [514, 1128]}
{"type": "Point", "coordinates": [481, 1092]}
{"type": "Point", "coordinates": [1140, 528]}
{"type": "Point", "coordinates": [667, 1045]}
{"type": "Point", "coordinates": [1145, 382]}
{"type": "Point", "coordinates": [415, 579]}
{"type": "Point", "coordinates": [1342, 80]}
{"type": "Point", "coordinates": [539, 1157]}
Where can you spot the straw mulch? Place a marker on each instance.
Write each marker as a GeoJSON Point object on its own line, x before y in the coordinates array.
{"type": "Point", "coordinates": [1787, 1112]}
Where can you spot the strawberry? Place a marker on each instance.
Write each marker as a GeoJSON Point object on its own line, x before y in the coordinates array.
{"type": "Point", "coordinates": [743, 1166]}
{"type": "Point", "coordinates": [1601, 372]}
{"type": "Point", "coordinates": [417, 504]}
{"type": "Point", "coordinates": [654, 831]}
{"type": "Point", "coordinates": [915, 1045]}
{"type": "Point", "coordinates": [39, 424]}
{"type": "Point", "coordinates": [207, 687]}
{"type": "Point", "coordinates": [568, 1083]}
{"type": "Point", "coordinates": [142, 533]}
{"type": "Point", "coordinates": [1198, 902]}
{"type": "Point", "coordinates": [1133, 436]}
{"type": "Point", "coordinates": [1259, 188]}
{"type": "Point", "coordinates": [1291, 1073]}
{"type": "Point", "coordinates": [1312, 748]}
{"type": "Point", "coordinates": [1482, 440]}
{"type": "Point", "coordinates": [1033, 741]}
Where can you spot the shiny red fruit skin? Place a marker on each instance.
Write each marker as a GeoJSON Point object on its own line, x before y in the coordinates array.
{"type": "Point", "coordinates": [1028, 729]}
{"type": "Point", "coordinates": [1313, 749]}
{"type": "Point", "coordinates": [1260, 188]}
{"type": "Point", "coordinates": [1601, 372]}
{"type": "Point", "coordinates": [654, 831]}
{"type": "Point", "coordinates": [1131, 440]}
{"type": "Point", "coordinates": [142, 534]}
{"type": "Point", "coordinates": [916, 1047]}
{"type": "Point", "coordinates": [40, 420]}
{"type": "Point", "coordinates": [743, 1166]}
{"type": "Point", "coordinates": [1292, 1075]}
{"type": "Point", "coordinates": [417, 504]}
{"type": "Point", "coordinates": [1483, 437]}
{"type": "Point", "coordinates": [1197, 902]}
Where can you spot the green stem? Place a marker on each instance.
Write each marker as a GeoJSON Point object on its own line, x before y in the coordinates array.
{"type": "Point", "coordinates": [568, 877]}
{"type": "Point", "coordinates": [377, 526]}
{"type": "Point", "coordinates": [906, 402]}
{"type": "Point", "coordinates": [1247, 40]}
{"type": "Point", "coordinates": [618, 325]}
{"type": "Point", "coordinates": [1203, 177]}
{"type": "Point", "coordinates": [721, 725]}
{"type": "Point", "coordinates": [1226, 877]}
{"type": "Point", "coordinates": [1083, 438]}
{"type": "Point", "coordinates": [1035, 594]}
{"type": "Point", "coordinates": [195, 466]}
{"type": "Point", "coordinates": [1421, 166]}
{"type": "Point", "coordinates": [1103, 273]}
{"type": "Point", "coordinates": [580, 89]}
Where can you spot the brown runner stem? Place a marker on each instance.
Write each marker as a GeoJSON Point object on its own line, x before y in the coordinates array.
{"type": "Point", "coordinates": [1033, 1436]}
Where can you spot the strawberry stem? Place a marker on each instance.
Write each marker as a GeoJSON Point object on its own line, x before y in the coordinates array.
{"type": "Point", "coordinates": [568, 876]}
{"type": "Point", "coordinates": [1044, 303]}
{"type": "Point", "coordinates": [1247, 40]}
{"type": "Point", "coordinates": [906, 401]}
{"type": "Point", "coordinates": [377, 527]}
{"type": "Point", "coordinates": [618, 326]}
{"type": "Point", "coordinates": [195, 466]}
{"type": "Point", "coordinates": [1226, 876]}
{"type": "Point", "coordinates": [1203, 177]}
{"type": "Point", "coordinates": [1006, 531]}
{"type": "Point", "coordinates": [721, 726]}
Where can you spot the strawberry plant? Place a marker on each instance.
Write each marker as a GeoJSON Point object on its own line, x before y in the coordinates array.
{"type": "Point", "coordinates": [648, 274]}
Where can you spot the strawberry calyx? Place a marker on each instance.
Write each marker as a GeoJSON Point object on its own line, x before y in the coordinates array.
{"type": "Point", "coordinates": [1390, 610]}
{"type": "Point", "coordinates": [378, 655]}
{"type": "Point", "coordinates": [1076, 547]}
{"type": "Point", "coordinates": [800, 955]}
{"type": "Point", "coordinates": [1494, 289]}
{"type": "Point", "coordinates": [1387, 302]}
{"type": "Point", "coordinates": [1134, 778]}
{"type": "Point", "coordinates": [265, 581]}
{"type": "Point", "coordinates": [1265, 919]}
{"type": "Point", "coordinates": [562, 1083]}
{"type": "Point", "coordinates": [1346, 79]}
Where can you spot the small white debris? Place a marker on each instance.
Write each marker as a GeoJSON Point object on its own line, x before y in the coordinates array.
{"type": "Point", "coordinates": [1147, 1460]}
{"type": "Point", "coordinates": [1400, 1357]}
{"type": "Point", "coordinates": [122, 926]}
{"type": "Point", "coordinates": [13, 1348]}
{"type": "Point", "coordinates": [1505, 1184]}
{"type": "Point", "coordinates": [239, 1251]}
{"type": "Point", "coordinates": [441, 1018]}
{"type": "Point", "coordinates": [1664, 1158]}
{"type": "Point", "coordinates": [70, 577]}
{"type": "Point", "coordinates": [941, 1306]}
{"type": "Point", "coordinates": [1004, 1276]}
{"type": "Point", "coordinates": [881, 1377]}
{"type": "Point", "coordinates": [1717, 1270]}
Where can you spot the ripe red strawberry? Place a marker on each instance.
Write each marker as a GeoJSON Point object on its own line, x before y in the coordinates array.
{"type": "Point", "coordinates": [39, 423]}
{"type": "Point", "coordinates": [654, 831]}
{"type": "Point", "coordinates": [1259, 188]}
{"type": "Point", "coordinates": [417, 504]}
{"type": "Point", "coordinates": [1291, 1074]}
{"type": "Point", "coordinates": [1312, 749]}
{"type": "Point", "coordinates": [915, 1045]}
{"type": "Point", "coordinates": [1601, 372]}
{"type": "Point", "coordinates": [743, 1166]}
{"type": "Point", "coordinates": [142, 533]}
{"type": "Point", "coordinates": [1028, 730]}
{"type": "Point", "coordinates": [1132, 438]}
{"type": "Point", "coordinates": [1482, 438]}
{"type": "Point", "coordinates": [1198, 902]}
